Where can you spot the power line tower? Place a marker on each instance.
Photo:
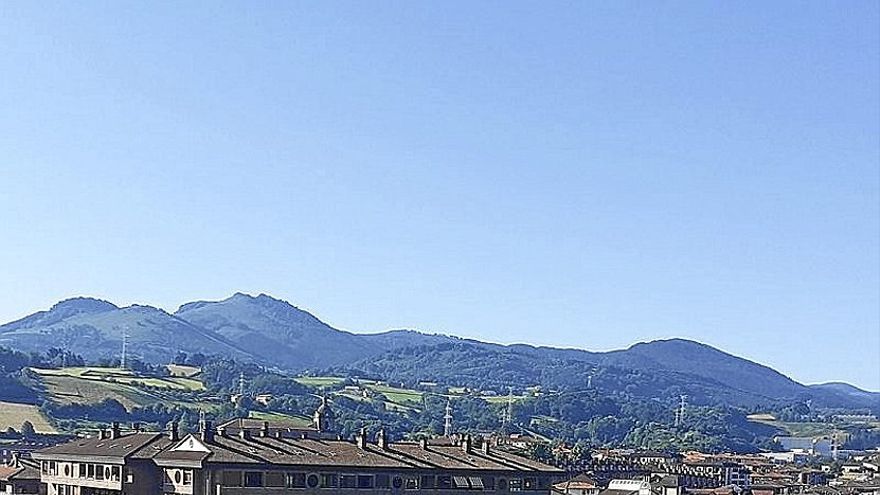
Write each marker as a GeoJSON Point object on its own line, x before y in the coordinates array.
{"type": "Point", "coordinates": [510, 405]}
{"type": "Point", "coordinates": [447, 419]}
{"type": "Point", "coordinates": [124, 347]}
{"type": "Point", "coordinates": [679, 413]}
{"type": "Point", "coordinates": [241, 384]}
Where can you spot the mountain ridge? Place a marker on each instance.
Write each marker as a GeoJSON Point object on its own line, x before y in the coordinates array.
{"type": "Point", "coordinates": [277, 334]}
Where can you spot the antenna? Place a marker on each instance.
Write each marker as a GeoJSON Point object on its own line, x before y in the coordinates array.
{"type": "Point", "coordinates": [124, 346]}
{"type": "Point", "coordinates": [679, 413]}
{"type": "Point", "coordinates": [241, 384]}
{"type": "Point", "coordinates": [447, 419]}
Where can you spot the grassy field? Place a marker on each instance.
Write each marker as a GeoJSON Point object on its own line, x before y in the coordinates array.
{"type": "Point", "coordinates": [402, 396]}
{"type": "Point", "coordinates": [15, 414]}
{"type": "Point", "coordinates": [180, 370]}
{"type": "Point", "coordinates": [295, 421]}
{"type": "Point", "coordinates": [123, 376]}
{"type": "Point", "coordinates": [801, 429]}
{"type": "Point", "coordinates": [91, 385]}
{"type": "Point", "coordinates": [319, 381]}
{"type": "Point", "coordinates": [502, 399]}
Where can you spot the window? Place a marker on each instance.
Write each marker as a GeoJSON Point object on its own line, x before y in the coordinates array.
{"type": "Point", "coordinates": [365, 481]}
{"type": "Point", "coordinates": [99, 472]}
{"type": "Point", "coordinates": [444, 482]}
{"type": "Point", "coordinates": [516, 485]}
{"type": "Point", "coordinates": [476, 482]}
{"type": "Point", "coordinates": [312, 480]}
{"type": "Point", "coordinates": [347, 481]}
{"type": "Point", "coordinates": [427, 482]}
{"type": "Point", "coordinates": [178, 476]}
{"type": "Point", "coordinates": [383, 481]}
{"type": "Point", "coordinates": [530, 483]}
{"type": "Point", "coordinates": [296, 480]}
{"type": "Point", "coordinates": [412, 483]}
{"type": "Point", "coordinates": [253, 479]}
{"type": "Point", "coordinates": [329, 480]}
{"type": "Point", "coordinates": [187, 477]}
{"type": "Point", "coordinates": [276, 479]}
{"type": "Point", "coordinates": [231, 478]}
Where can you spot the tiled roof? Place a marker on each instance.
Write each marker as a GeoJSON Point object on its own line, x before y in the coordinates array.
{"type": "Point", "coordinates": [135, 445]}
{"type": "Point", "coordinates": [23, 471]}
{"type": "Point", "coordinates": [341, 453]}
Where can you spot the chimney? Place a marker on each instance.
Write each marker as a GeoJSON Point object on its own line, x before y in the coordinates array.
{"type": "Point", "coordinates": [361, 439]}
{"type": "Point", "coordinates": [423, 443]}
{"type": "Point", "coordinates": [264, 432]}
{"type": "Point", "coordinates": [221, 430]}
{"type": "Point", "coordinates": [15, 461]}
{"type": "Point", "coordinates": [279, 434]}
{"type": "Point", "coordinates": [466, 443]}
{"type": "Point", "coordinates": [382, 440]}
{"type": "Point", "coordinates": [114, 430]}
{"type": "Point", "coordinates": [244, 434]}
{"type": "Point", "coordinates": [485, 446]}
{"type": "Point", "coordinates": [136, 427]}
{"type": "Point", "coordinates": [103, 434]}
{"type": "Point", "coordinates": [206, 430]}
{"type": "Point", "coordinates": [173, 432]}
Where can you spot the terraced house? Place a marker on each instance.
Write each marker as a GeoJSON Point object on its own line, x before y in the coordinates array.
{"type": "Point", "coordinates": [269, 460]}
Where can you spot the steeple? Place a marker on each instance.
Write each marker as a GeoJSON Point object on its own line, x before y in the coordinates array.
{"type": "Point", "coordinates": [323, 418]}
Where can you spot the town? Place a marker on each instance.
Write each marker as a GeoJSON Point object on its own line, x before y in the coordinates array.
{"type": "Point", "coordinates": [258, 448]}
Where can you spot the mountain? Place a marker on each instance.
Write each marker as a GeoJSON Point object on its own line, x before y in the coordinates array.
{"type": "Point", "coordinates": [275, 333]}
{"type": "Point", "coordinates": [95, 328]}
{"type": "Point", "coordinates": [694, 358]}
{"type": "Point", "coordinates": [844, 393]}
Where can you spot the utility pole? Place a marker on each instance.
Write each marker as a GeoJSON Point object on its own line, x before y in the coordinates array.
{"type": "Point", "coordinates": [241, 384]}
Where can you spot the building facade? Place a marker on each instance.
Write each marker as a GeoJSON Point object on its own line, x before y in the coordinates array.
{"type": "Point", "coordinates": [277, 461]}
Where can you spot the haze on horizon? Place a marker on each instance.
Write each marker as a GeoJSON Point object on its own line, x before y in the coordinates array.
{"type": "Point", "coordinates": [590, 175]}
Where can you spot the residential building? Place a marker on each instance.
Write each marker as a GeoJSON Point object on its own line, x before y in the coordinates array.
{"type": "Point", "coordinates": [581, 484]}
{"type": "Point", "coordinates": [21, 476]}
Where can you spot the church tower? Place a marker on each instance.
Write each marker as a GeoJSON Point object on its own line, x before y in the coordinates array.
{"type": "Point", "coordinates": [323, 419]}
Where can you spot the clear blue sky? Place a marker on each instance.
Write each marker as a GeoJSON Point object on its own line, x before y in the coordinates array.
{"type": "Point", "coordinates": [584, 174]}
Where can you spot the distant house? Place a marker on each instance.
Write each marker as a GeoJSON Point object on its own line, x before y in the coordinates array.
{"type": "Point", "coordinates": [654, 457]}
{"type": "Point", "coordinates": [263, 399]}
{"type": "Point", "coordinates": [627, 487]}
{"type": "Point", "coordinates": [727, 473]}
{"type": "Point", "coordinates": [581, 484]}
{"type": "Point", "coordinates": [21, 476]}
{"type": "Point", "coordinates": [815, 446]}
{"type": "Point", "coordinates": [855, 418]}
